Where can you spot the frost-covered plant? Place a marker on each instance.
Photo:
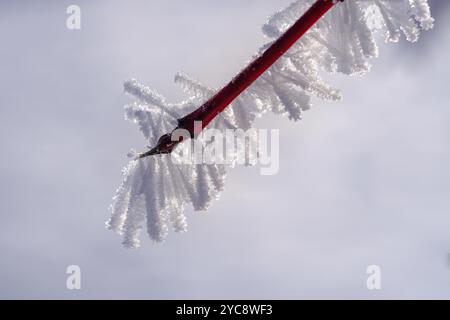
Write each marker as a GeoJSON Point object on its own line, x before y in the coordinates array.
{"type": "Point", "coordinates": [155, 190]}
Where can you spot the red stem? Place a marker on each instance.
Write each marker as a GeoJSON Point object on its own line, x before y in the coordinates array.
{"type": "Point", "coordinates": [216, 104]}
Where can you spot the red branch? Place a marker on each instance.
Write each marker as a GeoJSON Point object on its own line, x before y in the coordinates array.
{"type": "Point", "coordinates": [216, 104]}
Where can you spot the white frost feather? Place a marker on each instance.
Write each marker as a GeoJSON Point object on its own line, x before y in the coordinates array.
{"type": "Point", "coordinates": [155, 190]}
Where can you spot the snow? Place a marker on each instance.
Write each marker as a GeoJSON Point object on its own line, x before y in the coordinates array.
{"type": "Point", "coordinates": [155, 190]}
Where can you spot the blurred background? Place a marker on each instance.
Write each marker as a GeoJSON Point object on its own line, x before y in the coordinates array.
{"type": "Point", "coordinates": [364, 181]}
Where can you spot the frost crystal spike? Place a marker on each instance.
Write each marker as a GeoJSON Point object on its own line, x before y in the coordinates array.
{"type": "Point", "coordinates": [335, 36]}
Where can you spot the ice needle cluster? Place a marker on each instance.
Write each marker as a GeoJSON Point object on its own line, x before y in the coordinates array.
{"type": "Point", "coordinates": [156, 190]}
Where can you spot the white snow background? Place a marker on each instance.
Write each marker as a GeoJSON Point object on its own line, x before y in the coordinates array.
{"type": "Point", "coordinates": [362, 181]}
